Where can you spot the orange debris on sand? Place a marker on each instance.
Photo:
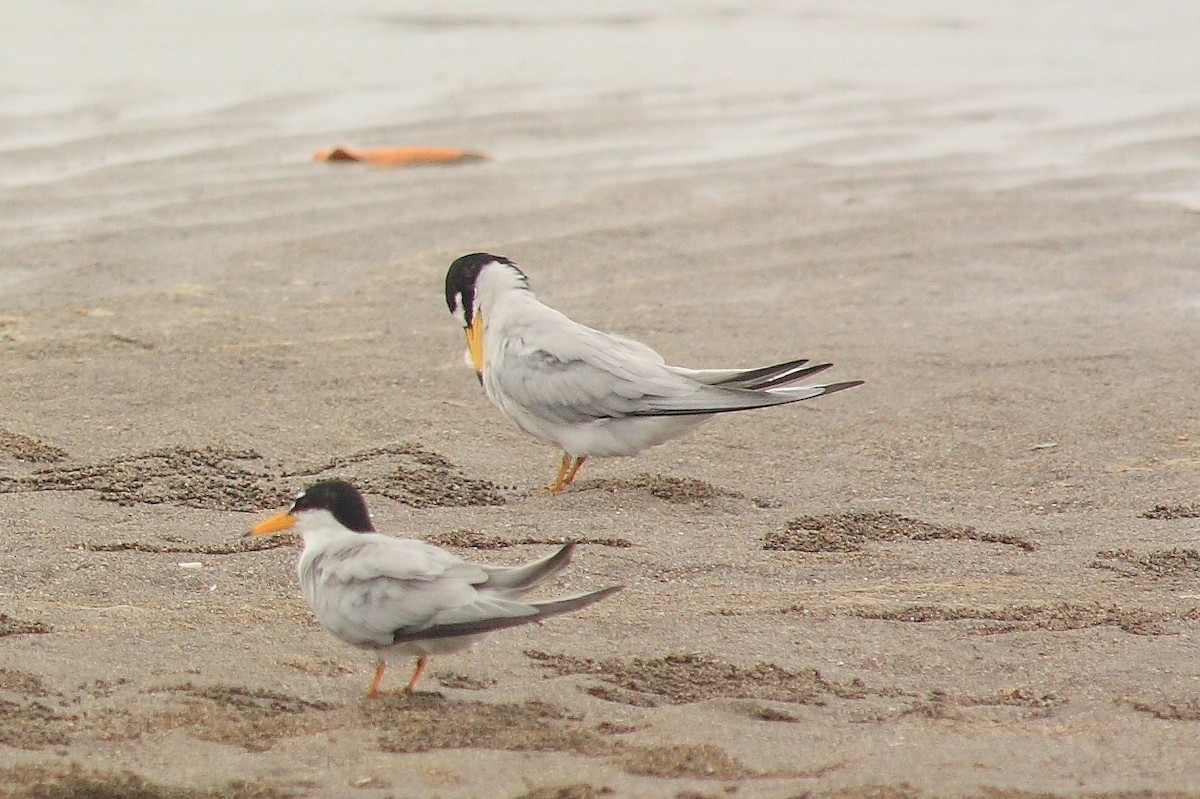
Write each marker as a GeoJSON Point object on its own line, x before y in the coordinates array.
{"type": "Point", "coordinates": [399, 156]}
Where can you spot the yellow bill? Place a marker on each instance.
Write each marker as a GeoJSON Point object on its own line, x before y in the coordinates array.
{"type": "Point", "coordinates": [280, 521]}
{"type": "Point", "coordinates": [475, 342]}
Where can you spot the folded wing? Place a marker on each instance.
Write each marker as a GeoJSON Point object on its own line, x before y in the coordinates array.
{"type": "Point", "coordinates": [582, 375]}
{"type": "Point", "coordinates": [577, 375]}
{"type": "Point", "coordinates": [380, 590]}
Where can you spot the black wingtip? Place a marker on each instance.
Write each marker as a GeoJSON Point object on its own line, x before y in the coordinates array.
{"type": "Point", "coordinates": [554, 607]}
{"type": "Point", "coordinates": [833, 388]}
{"type": "Point", "coordinates": [564, 555]}
{"type": "Point", "coordinates": [747, 379]}
{"type": "Point", "coordinates": [792, 376]}
{"type": "Point", "coordinates": [612, 589]}
{"type": "Point", "coordinates": [542, 610]}
{"type": "Point", "coordinates": [605, 593]}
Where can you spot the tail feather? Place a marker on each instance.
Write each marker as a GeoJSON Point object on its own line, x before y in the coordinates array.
{"type": "Point", "coordinates": [745, 378]}
{"type": "Point", "coordinates": [765, 377]}
{"type": "Point", "coordinates": [786, 378]}
{"type": "Point", "coordinates": [519, 579]}
{"type": "Point", "coordinates": [739, 378]}
{"type": "Point", "coordinates": [801, 392]}
{"type": "Point", "coordinates": [718, 399]}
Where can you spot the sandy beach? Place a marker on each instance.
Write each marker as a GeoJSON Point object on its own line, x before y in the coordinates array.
{"type": "Point", "coordinates": [977, 575]}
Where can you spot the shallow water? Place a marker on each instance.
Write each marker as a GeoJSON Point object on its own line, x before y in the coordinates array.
{"type": "Point", "coordinates": [1034, 85]}
{"type": "Point", "coordinates": [145, 122]}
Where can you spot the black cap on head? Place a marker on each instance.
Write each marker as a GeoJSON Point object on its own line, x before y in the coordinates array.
{"type": "Point", "coordinates": [339, 498]}
{"type": "Point", "coordinates": [460, 282]}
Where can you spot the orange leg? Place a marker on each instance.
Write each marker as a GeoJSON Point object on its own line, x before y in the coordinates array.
{"type": "Point", "coordinates": [563, 468]}
{"type": "Point", "coordinates": [373, 691]}
{"type": "Point", "coordinates": [574, 469]}
{"type": "Point", "coordinates": [566, 472]}
{"type": "Point", "coordinates": [416, 675]}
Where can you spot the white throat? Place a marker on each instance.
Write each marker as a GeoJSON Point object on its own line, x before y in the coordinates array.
{"type": "Point", "coordinates": [318, 528]}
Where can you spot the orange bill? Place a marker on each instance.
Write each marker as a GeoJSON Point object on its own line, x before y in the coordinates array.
{"type": "Point", "coordinates": [400, 156]}
{"type": "Point", "coordinates": [280, 521]}
{"type": "Point", "coordinates": [475, 342]}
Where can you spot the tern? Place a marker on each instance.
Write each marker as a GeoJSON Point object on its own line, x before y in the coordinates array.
{"type": "Point", "coordinates": [401, 597]}
{"type": "Point", "coordinates": [588, 392]}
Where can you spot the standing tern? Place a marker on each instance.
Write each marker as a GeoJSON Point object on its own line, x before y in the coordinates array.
{"type": "Point", "coordinates": [400, 597]}
{"type": "Point", "coordinates": [589, 392]}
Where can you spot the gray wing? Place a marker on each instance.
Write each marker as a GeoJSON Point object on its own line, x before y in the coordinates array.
{"type": "Point", "coordinates": [375, 589]}
{"type": "Point", "coordinates": [564, 372]}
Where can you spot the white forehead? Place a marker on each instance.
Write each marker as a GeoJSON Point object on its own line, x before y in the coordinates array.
{"type": "Point", "coordinates": [460, 313]}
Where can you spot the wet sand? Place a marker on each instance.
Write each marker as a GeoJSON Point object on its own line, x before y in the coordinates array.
{"type": "Point", "coordinates": [976, 575]}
